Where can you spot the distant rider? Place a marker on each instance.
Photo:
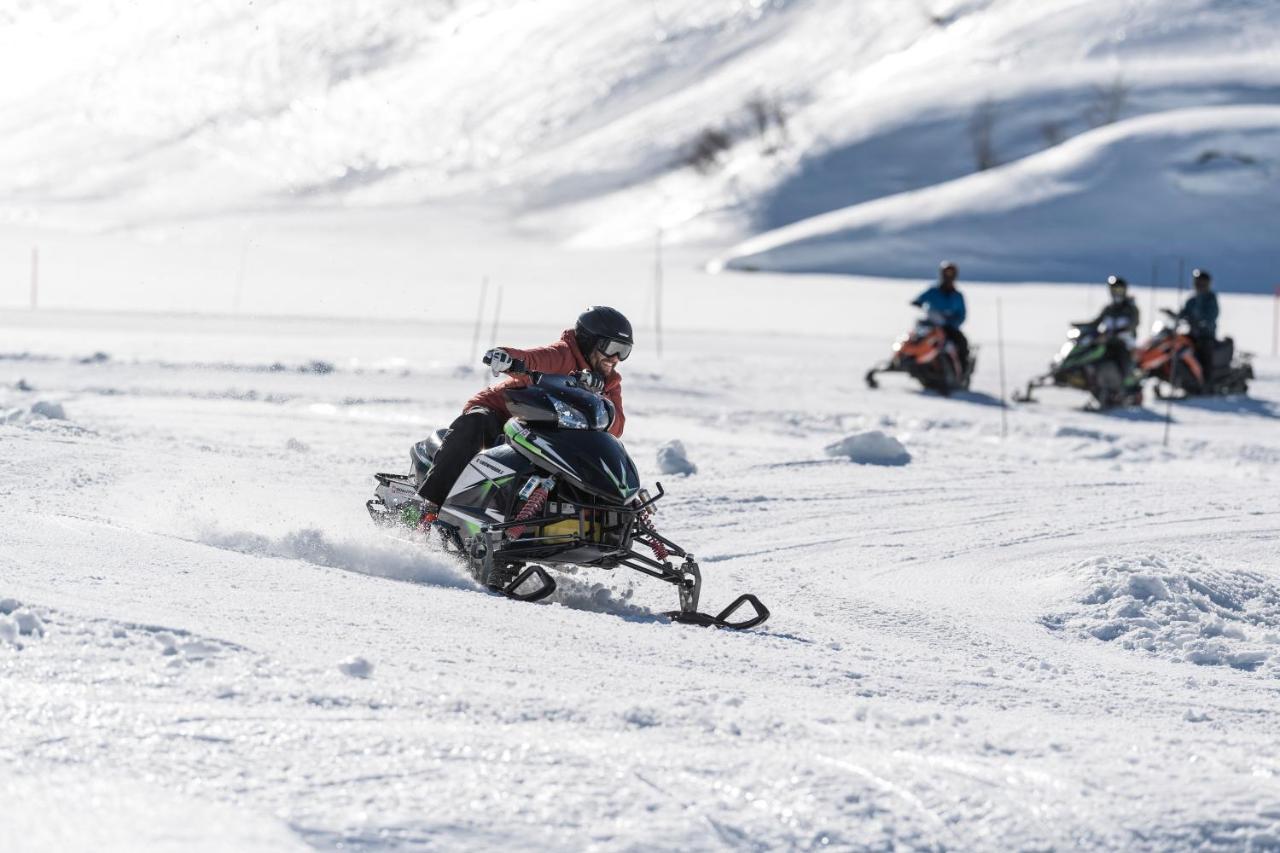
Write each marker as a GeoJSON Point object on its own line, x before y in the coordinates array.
{"type": "Point", "coordinates": [599, 340]}
{"type": "Point", "coordinates": [1119, 323]}
{"type": "Point", "coordinates": [946, 303]}
{"type": "Point", "coordinates": [1201, 314]}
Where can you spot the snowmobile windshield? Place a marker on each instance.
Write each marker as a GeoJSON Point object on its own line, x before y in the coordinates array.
{"type": "Point", "coordinates": [559, 400]}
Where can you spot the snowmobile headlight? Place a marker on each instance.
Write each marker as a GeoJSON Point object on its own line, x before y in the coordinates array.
{"type": "Point", "coordinates": [604, 413]}
{"type": "Point", "coordinates": [567, 416]}
{"type": "Point", "coordinates": [1066, 350]}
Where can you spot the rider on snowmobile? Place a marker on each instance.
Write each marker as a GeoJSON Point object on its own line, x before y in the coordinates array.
{"type": "Point", "coordinates": [1201, 314]}
{"type": "Point", "coordinates": [945, 301]}
{"type": "Point", "coordinates": [598, 341]}
{"type": "Point", "coordinates": [1119, 321]}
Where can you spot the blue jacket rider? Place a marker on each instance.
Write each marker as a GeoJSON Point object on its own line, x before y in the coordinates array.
{"type": "Point", "coordinates": [947, 302]}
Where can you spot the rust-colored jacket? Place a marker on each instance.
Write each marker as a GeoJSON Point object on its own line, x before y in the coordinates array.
{"type": "Point", "coordinates": [561, 357]}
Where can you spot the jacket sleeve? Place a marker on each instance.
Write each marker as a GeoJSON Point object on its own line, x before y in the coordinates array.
{"type": "Point", "coordinates": [615, 396]}
{"type": "Point", "coordinates": [919, 301]}
{"type": "Point", "coordinates": [1211, 310]}
{"type": "Point", "coordinates": [960, 312]}
{"type": "Point", "coordinates": [548, 359]}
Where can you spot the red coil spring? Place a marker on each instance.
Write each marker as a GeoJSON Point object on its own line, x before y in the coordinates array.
{"type": "Point", "coordinates": [659, 550]}
{"type": "Point", "coordinates": [531, 507]}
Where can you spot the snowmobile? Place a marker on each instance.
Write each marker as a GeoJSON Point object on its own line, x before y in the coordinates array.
{"type": "Point", "coordinates": [1085, 362]}
{"type": "Point", "coordinates": [1169, 357]}
{"type": "Point", "coordinates": [931, 359]}
{"type": "Point", "coordinates": [559, 491]}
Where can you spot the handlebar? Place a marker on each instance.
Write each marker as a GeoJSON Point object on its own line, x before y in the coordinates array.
{"type": "Point", "coordinates": [519, 368]}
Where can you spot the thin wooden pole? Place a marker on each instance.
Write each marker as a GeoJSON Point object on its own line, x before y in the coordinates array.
{"type": "Point", "coordinates": [657, 291]}
{"type": "Point", "coordinates": [1004, 405]}
{"type": "Point", "coordinates": [475, 336]}
{"type": "Point", "coordinates": [497, 315]}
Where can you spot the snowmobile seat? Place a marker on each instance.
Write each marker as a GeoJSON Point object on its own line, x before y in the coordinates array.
{"type": "Point", "coordinates": [422, 455]}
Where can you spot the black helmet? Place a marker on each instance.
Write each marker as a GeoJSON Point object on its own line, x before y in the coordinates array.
{"type": "Point", "coordinates": [1199, 275]}
{"type": "Point", "coordinates": [948, 266]}
{"type": "Point", "coordinates": [1115, 282]}
{"type": "Point", "coordinates": [604, 328]}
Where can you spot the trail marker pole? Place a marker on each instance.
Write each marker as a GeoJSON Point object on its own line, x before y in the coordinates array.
{"type": "Point", "coordinates": [35, 278]}
{"type": "Point", "coordinates": [1173, 371]}
{"type": "Point", "coordinates": [1275, 325]}
{"type": "Point", "coordinates": [657, 292]}
{"type": "Point", "coordinates": [244, 258]}
{"type": "Point", "coordinates": [497, 315]}
{"type": "Point", "coordinates": [475, 336]}
{"type": "Point", "coordinates": [1004, 406]}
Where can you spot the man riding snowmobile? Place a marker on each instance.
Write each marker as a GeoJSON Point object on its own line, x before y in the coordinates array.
{"type": "Point", "coordinates": [1184, 356]}
{"type": "Point", "coordinates": [600, 339]}
{"type": "Point", "coordinates": [947, 302]}
{"type": "Point", "coordinates": [1097, 356]}
{"type": "Point", "coordinates": [1201, 314]}
{"type": "Point", "coordinates": [1119, 321]}
{"type": "Point", "coordinates": [935, 353]}
{"type": "Point", "coordinates": [533, 474]}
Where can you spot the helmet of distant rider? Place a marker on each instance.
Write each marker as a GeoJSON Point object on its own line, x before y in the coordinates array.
{"type": "Point", "coordinates": [1119, 288]}
{"type": "Point", "coordinates": [606, 329]}
{"type": "Point", "coordinates": [947, 273]}
{"type": "Point", "coordinates": [1201, 279]}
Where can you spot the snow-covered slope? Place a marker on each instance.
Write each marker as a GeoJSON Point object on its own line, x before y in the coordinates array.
{"type": "Point", "coordinates": [1203, 183]}
{"type": "Point", "coordinates": [577, 117]}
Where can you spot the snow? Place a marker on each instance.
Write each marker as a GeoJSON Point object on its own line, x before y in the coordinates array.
{"type": "Point", "coordinates": [870, 448]}
{"type": "Point", "coordinates": [263, 234]}
{"type": "Point", "coordinates": [674, 459]}
{"type": "Point", "coordinates": [1200, 182]}
{"type": "Point", "coordinates": [929, 677]}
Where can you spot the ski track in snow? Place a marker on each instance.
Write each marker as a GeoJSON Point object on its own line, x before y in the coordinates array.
{"type": "Point", "coordinates": [1066, 638]}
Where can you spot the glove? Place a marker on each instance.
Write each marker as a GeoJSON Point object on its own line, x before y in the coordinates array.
{"type": "Point", "coordinates": [498, 360]}
{"type": "Point", "coordinates": [590, 381]}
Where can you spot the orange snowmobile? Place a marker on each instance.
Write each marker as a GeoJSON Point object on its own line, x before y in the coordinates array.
{"type": "Point", "coordinates": [1169, 357]}
{"type": "Point", "coordinates": [931, 359]}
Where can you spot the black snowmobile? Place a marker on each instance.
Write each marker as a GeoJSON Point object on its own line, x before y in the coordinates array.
{"type": "Point", "coordinates": [1086, 362]}
{"type": "Point", "coordinates": [560, 490]}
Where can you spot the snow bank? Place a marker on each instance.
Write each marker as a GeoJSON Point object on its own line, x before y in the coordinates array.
{"type": "Point", "coordinates": [37, 411]}
{"type": "Point", "coordinates": [1178, 608]}
{"type": "Point", "coordinates": [870, 448]}
{"type": "Point", "coordinates": [672, 459]}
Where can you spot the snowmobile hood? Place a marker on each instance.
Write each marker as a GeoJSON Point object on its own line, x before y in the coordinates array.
{"type": "Point", "coordinates": [591, 460]}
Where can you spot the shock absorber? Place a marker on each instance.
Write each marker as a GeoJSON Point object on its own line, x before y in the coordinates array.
{"type": "Point", "coordinates": [535, 492]}
{"type": "Point", "coordinates": [659, 549]}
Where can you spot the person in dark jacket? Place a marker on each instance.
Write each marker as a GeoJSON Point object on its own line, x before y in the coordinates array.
{"type": "Point", "coordinates": [1119, 323]}
{"type": "Point", "coordinates": [598, 341]}
{"type": "Point", "coordinates": [946, 302]}
{"type": "Point", "coordinates": [1201, 314]}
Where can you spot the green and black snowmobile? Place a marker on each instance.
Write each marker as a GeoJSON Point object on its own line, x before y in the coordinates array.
{"type": "Point", "coordinates": [1089, 361]}
{"type": "Point", "coordinates": [560, 491]}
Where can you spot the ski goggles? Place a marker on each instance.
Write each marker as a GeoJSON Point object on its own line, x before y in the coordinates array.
{"type": "Point", "coordinates": [609, 347]}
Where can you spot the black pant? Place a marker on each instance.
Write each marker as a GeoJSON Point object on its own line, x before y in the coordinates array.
{"type": "Point", "coordinates": [470, 433]}
{"type": "Point", "coordinates": [962, 344]}
{"type": "Point", "coordinates": [1204, 354]}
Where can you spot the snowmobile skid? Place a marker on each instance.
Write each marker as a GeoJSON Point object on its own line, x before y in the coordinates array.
{"type": "Point", "coordinates": [560, 490]}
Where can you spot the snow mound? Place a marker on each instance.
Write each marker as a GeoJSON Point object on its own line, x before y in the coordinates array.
{"type": "Point", "coordinates": [356, 667]}
{"type": "Point", "coordinates": [672, 459]}
{"type": "Point", "coordinates": [1204, 180]}
{"type": "Point", "coordinates": [1178, 608]}
{"type": "Point", "coordinates": [870, 448]}
{"type": "Point", "coordinates": [37, 411]}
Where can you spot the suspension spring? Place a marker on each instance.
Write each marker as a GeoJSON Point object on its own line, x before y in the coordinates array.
{"type": "Point", "coordinates": [532, 507]}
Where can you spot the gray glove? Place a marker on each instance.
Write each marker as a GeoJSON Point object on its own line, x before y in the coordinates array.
{"type": "Point", "coordinates": [591, 381]}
